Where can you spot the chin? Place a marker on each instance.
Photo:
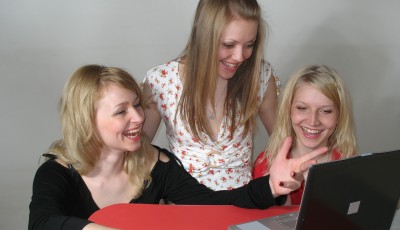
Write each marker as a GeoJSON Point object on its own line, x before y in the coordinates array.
{"type": "Point", "coordinates": [134, 148]}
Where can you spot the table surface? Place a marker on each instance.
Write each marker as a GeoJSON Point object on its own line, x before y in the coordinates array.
{"type": "Point", "coordinates": [149, 216]}
{"type": "Point", "coordinates": [129, 216]}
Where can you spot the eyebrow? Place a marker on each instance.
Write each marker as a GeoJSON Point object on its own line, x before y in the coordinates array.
{"type": "Point", "coordinates": [330, 105]}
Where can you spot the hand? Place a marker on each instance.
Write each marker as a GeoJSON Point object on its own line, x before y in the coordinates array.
{"type": "Point", "coordinates": [286, 175]}
{"type": "Point", "coordinates": [94, 226]}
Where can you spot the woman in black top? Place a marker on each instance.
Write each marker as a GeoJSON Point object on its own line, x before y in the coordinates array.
{"type": "Point", "coordinates": [103, 159]}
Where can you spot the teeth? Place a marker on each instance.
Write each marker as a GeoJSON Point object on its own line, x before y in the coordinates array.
{"type": "Point", "coordinates": [311, 131]}
{"type": "Point", "coordinates": [132, 133]}
{"type": "Point", "coordinates": [230, 65]}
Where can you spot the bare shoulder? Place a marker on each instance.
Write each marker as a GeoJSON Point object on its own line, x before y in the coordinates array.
{"type": "Point", "coordinates": [159, 155]}
{"type": "Point", "coordinates": [163, 157]}
{"type": "Point", "coordinates": [61, 163]}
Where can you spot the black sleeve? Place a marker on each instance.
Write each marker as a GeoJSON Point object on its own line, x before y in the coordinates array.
{"type": "Point", "coordinates": [50, 197]}
{"type": "Point", "coordinates": [182, 188]}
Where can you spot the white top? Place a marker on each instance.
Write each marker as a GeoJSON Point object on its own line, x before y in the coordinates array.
{"type": "Point", "coordinates": [222, 164]}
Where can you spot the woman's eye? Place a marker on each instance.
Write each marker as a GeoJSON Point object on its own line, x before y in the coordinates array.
{"type": "Point", "coordinates": [137, 105]}
{"type": "Point", "coordinates": [250, 45]}
{"type": "Point", "coordinates": [228, 45]}
{"type": "Point", "coordinates": [301, 108]}
{"type": "Point", "coordinates": [327, 111]}
{"type": "Point", "coordinates": [120, 112]}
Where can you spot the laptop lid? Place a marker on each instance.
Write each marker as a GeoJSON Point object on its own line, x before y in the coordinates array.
{"type": "Point", "coordinates": [356, 193]}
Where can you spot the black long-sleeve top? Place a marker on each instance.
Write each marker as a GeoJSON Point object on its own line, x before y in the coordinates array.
{"type": "Point", "coordinates": [61, 199]}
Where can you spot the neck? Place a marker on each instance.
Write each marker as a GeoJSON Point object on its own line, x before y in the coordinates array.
{"type": "Point", "coordinates": [298, 152]}
{"type": "Point", "coordinates": [108, 165]}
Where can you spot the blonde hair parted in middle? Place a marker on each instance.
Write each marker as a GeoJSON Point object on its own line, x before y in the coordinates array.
{"type": "Point", "coordinates": [329, 83]}
{"type": "Point", "coordinates": [201, 66]}
{"type": "Point", "coordinates": [81, 144]}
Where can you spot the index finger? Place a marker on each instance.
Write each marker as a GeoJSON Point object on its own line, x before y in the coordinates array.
{"type": "Point", "coordinates": [285, 148]}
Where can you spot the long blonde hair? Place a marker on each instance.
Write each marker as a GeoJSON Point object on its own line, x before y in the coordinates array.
{"type": "Point", "coordinates": [81, 144]}
{"type": "Point", "coordinates": [328, 82]}
{"type": "Point", "coordinates": [201, 66]}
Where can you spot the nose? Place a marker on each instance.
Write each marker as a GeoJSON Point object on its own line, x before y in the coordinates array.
{"type": "Point", "coordinates": [137, 115]}
{"type": "Point", "coordinates": [314, 118]}
{"type": "Point", "coordinates": [238, 54]}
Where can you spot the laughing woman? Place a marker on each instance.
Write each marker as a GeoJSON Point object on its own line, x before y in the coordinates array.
{"type": "Point", "coordinates": [104, 159]}
{"type": "Point", "coordinates": [315, 110]}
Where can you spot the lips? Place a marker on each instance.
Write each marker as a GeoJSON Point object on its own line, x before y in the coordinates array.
{"type": "Point", "coordinates": [230, 66]}
{"type": "Point", "coordinates": [133, 134]}
{"type": "Point", "coordinates": [311, 133]}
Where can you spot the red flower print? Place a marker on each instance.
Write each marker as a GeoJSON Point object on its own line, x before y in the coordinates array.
{"type": "Point", "coordinates": [161, 96]}
{"type": "Point", "coordinates": [164, 72]}
{"type": "Point", "coordinates": [191, 168]}
{"type": "Point", "coordinates": [236, 145]}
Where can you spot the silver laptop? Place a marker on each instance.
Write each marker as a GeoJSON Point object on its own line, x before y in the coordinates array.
{"type": "Point", "coordinates": [356, 193]}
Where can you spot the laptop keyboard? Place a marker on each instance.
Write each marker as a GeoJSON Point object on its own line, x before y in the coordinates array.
{"type": "Point", "coordinates": [288, 224]}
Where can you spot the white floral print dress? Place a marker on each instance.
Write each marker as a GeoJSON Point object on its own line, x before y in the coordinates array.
{"type": "Point", "coordinates": [223, 164]}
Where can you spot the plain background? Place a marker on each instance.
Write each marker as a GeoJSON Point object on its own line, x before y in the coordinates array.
{"type": "Point", "coordinates": [43, 41]}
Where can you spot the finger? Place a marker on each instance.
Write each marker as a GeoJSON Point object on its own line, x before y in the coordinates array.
{"type": "Point", "coordinates": [306, 165]}
{"type": "Point", "coordinates": [285, 148]}
{"type": "Point", "coordinates": [314, 154]}
{"type": "Point", "coordinates": [292, 185]}
{"type": "Point", "coordinates": [297, 176]}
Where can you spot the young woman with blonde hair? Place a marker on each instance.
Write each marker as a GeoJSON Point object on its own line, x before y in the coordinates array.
{"type": "Point", "coordinates": [104, 159]}
{"type": "Point", "coordinates": [315, 110]}
{"type": "Point", "coordinates": [210, 96]}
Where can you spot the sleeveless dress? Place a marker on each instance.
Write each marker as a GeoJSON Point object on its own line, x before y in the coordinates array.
{"type": "Point", "coordinates": [221, 164]}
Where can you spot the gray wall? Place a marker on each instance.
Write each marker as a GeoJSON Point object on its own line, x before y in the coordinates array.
{"type": "Point", "coordinates": [43, 41]}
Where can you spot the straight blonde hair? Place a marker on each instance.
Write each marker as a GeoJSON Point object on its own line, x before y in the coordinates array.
{"type": "Point", "coordinates": [200, 59]}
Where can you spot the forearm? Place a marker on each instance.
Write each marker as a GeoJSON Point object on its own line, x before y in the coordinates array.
{"type": "Point", "coordinates": [93, 226]}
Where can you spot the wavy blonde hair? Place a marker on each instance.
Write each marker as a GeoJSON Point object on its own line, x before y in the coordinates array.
{"type": "Point", "coordinates": [81, 143]}
{"type": "Point", "coordinates": [200, 58]}
{"type": "Point", "coordinates": [329, 83]}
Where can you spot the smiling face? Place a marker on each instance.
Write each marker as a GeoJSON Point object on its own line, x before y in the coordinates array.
{"type": "Point", "coordinates": [119, 119]}
{"type": "Point", "coordinates": [236, 45]}
{"type": "Point", "coordinates": [314, 117]}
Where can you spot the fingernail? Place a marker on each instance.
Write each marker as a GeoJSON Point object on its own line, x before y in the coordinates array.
{"type": "Point", "coordinates": [292, 174]}
{"type": "Point", "coordinates": [281, 184]}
